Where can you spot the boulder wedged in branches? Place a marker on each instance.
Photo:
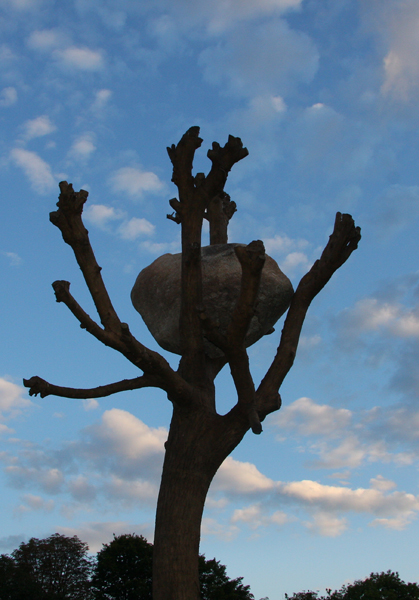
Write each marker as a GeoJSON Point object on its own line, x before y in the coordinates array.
{"type": "Point", "coordinates": [156, 295]}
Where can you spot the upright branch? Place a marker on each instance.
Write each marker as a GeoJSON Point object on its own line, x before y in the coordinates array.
{"type": "Point", "coordinates": [68, 220]}
{"type": "Point", "coordinates": [190, 208]}
{"type": "Point", "coordinates": [199, 197]}
{"type": "Point", "coordinates": [232, 343]}
{"type": "Point", "coordinates": [219, 212]}
{"type": "Point", "coordinates": [343, 241]}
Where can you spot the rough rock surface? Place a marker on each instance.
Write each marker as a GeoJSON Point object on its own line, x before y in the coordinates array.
{"type": "Point", "coordinates": [156, 295]}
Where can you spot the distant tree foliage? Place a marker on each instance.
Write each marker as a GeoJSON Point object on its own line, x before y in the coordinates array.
{"type": "Point", "coordinates": [58, 568]}
{"type": "Point", "coordinates": [378, 586]}
{"type": "Point", "coordinates": [216, 585]}
{"type": "Point", "coordinates": [54, 568]}
{"type": "Point", "coordinates": [123, 569]}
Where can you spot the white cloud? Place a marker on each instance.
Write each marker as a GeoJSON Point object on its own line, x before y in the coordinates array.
{"type": "Point", "coordinates": [308, 342]}
{"type": "Point", "coordinates": [130, 229]}
{"type": "Point", "coordinates": [136, 182]}
{"type": "Point", "coordinates": [255, 517]}
{"type": "Point", "coordinates": [397, 523]}
{"type": "Point", "coordinates": [8, 96]}
{"type": "Point", "coordinates": [327, 525]}
{"type": "Point", "coordinates": [382, 484]}
{"type": "Point", "coordinates": [50, 480]}
{"type": "Point", "coordinates": [161, 247]}
{"type": "Point", "coordinates": [361, 500]}
{"type": "Point", "coordinates": [11, 398]}
{"type": "Point", "coordinates": [282, 244]}
{"type": "Point", "coordinates": [100, 214]}
{"type": "Point", "coordinates": [46, 39]}
{"type": "Point", "coordinates": [58, 42]}
{"type": "Point", "coordinates": [401, 67]}
{"type": "Point", "coordinates": [102, 98]}
{"type": "Point", "coordinates": [38, 127]}
{"type": "Point", "coordinates": [288, 252]}
{"type": "Point", "coordinates": [83, 147]}
{"type": "Point", "coordinates": [210, 526]}
{"type": "Point", "coordinates": [81, 489]}
{"type": "Point", "coordinates": [305, 417]}
{"type": "Point", "coordinates": [14, 259]}
{"type": "Point", "coordinates": [97, 533]}
{"type": "Point", "coordinates": [83, 59]}
{"type": "Point", "coordinates": [126, 437]}
{"type": "Point", "coordinates": [132, 492]}
{"type": "Point", "coordinates": [36, 170]}
{"type": "Point", "coordinates": [219, 15]}
{"type": "Point", "coordinates": [32, 503]}
{"type": "Point", "coordinates": [226, 13]}
{"type": "Point", "coordinates": [237, 477]}
{"type": "Point", "coordinates": [90, 404]}
{"type": "Point", "coordinates": [134, 228]}
{"type": "Point", "coordinates": [294, 261]}
{"type": "Point", "coordinates": [372, 314]}
{"type": "Point", "coordinates": [275, 61]}
{"type": "Point", "coordinates": [342, 439]}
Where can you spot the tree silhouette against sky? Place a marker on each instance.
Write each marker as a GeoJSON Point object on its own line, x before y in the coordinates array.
{"type": "Point", "coordinates": [199, 438]}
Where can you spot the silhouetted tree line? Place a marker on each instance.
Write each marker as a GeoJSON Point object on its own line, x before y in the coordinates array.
{"type": "Point", "coordinates": [378, 586]}
{"type": "Point", "coordinates": [59, 568]}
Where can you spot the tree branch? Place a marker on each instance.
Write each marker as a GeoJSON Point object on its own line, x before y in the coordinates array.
{"type": "Point", "coordinates": [243, 381]}
{"type": "Point", "coordinates": [68, 220]}
{"type": "Point", "coordinates": [343, 241]}
{"type": "Point", "coordinates": [152, 363]}
{"type": "Point", "coordinates": [39, 386]}
{"type": "Point", "coordinates": [62, 294]}
{"type": "Point", "coordinates": [252, 259]}
{"type": "Point", "coordinates": [182, 157]}
{"type": "Point", "coordinates": [219, 211]}
{"type": "Point", "coordinates": [223, 158]}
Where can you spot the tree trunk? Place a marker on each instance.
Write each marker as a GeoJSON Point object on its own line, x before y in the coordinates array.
{"type": "Point", "coordinates": [198, 443]}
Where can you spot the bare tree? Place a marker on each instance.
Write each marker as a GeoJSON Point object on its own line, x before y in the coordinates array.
{"type": "Point", "coordinates": [199, 438]}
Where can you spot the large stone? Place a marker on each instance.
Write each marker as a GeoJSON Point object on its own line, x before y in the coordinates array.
{"type": "Point", "coordinates": [156, 295]}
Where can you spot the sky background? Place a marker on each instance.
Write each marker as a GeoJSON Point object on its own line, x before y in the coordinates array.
{"type": "Point", "coordinates": [324, 94]}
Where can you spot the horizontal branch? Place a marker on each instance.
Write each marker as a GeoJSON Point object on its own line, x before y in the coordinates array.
{"type": "Point", "coordinates": [343, 241]}
{"type": "Point", "coordinates": [39, 386]}
{"type": "Point", "coordinates": [152, 363]}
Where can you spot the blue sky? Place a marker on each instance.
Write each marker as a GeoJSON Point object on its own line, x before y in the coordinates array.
{"type": "Point", "coordinates": [324, 94]}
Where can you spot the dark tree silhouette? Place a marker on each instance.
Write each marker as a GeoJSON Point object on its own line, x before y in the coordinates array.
{"type": "Point", "coordinates": [54, 568]}
{"type": "Point", "coordinates": [378, 586]}
{"type": "Point", "coordinates": [199, 438]}
{"type": "Point", "coordinates": [123, 571]}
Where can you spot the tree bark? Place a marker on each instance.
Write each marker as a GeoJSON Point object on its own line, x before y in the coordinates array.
{"type": "Point", "coordinates": [198, 443]}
